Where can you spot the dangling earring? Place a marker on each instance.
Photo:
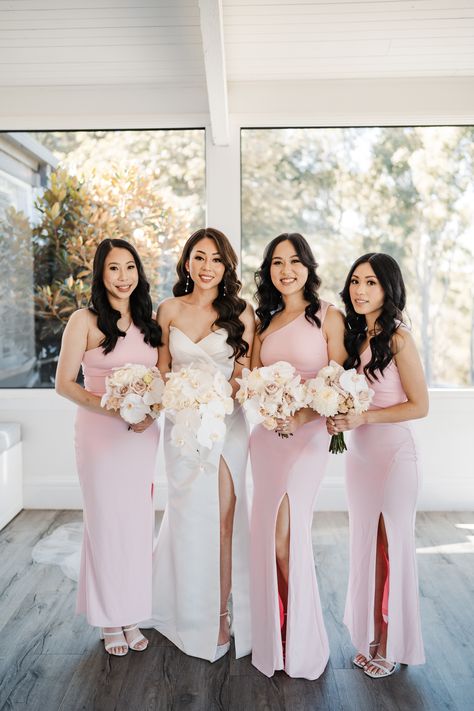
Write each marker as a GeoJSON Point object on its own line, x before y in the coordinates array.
{"type": "Point", "coordinates": [224, 291]}
{"type": "Point", "coordinates": [186, 286]}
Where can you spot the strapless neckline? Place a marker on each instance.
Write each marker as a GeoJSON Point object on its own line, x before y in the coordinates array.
{"type": "Point", "coordinates": [196, 343]}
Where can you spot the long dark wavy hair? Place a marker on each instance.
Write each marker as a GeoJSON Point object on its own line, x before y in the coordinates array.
{"type": "Point", "coordinates": [388, 273]}
{"type": "Point", "coordinates": [268, 297]}
{"type": "Point", "coordinates": [140, 301]}
{"type": "Point", "coordinates": [228, 304]}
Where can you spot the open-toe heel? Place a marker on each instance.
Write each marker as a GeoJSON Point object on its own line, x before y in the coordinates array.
{"type": "Point", "coordinates": [380, 671]}
{"type": "Point", "coordinates": [110, 645]}
{"type": "Point", "coordinates": [138, 638]}
{"type": "Point", "coordinates": [361, 665]}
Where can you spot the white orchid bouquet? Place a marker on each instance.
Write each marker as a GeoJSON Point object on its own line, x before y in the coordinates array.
{"type": "Point", "coordinates": [271, 393]}
{"type": "Point", "coordinates": [197, 399]}
{"type": "Point", "coordinates": [135, 390]}
{"type": "Point", "coordinates": [335, 391]}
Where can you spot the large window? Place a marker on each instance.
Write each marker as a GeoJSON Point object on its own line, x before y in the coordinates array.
{"type": "Point", "coordinates": [408, 191]}
{"type": "Point", "coordinates": [63, 192]}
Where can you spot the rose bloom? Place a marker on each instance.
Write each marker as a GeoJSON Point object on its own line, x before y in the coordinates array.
{"type": "Point", "coordinates": [138, 387]}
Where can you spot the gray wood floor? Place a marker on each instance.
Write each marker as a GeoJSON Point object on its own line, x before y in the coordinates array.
{"type": "Point", "coordinates": [51, 660]}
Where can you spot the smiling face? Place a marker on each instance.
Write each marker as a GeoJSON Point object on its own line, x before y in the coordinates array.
{"type": "Point", "coordinates": [120, 275]}
{"type": "Point", "coordinates": [367, 296]}
{"type": "Point", "coordinates": [205, 265]}
{"type": "Point", "coordinates": [287, 272]}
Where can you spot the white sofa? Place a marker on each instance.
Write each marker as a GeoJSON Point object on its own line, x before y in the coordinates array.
{"type": "Point", "coordinates": [11, 472]}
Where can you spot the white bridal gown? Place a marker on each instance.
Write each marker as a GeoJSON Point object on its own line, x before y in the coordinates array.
{"type": "Point", "coordinates": [186, 567]}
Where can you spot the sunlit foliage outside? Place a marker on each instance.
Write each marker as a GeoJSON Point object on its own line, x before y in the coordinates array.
{"type": "Point", "coordinates": [406, 191]}
{"type": "Point", "coordinates": [147, 187]}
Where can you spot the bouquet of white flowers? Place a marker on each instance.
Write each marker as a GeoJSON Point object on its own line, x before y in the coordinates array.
{"type": "Point", "coordinates": [198, 400]}
{"type": "Point", "coordinates": [271, 393]}
{"type": "Point", "coordinates": [135, 390]}
{"type": "Point", "coordinates": [335, 391]}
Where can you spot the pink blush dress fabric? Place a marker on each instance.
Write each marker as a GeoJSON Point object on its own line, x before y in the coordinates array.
{"type": "Point", "coordinates": [383, 478]}
{"type": "Point", "coordinates": [292, 467]}
{"type": "Point", "coordinates": [116, 468]}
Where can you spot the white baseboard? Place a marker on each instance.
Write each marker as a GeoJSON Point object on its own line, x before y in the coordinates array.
{"type": "Point", "coordinates": [447, 494]}
{"type": "Point", "coordinates": [64, 493]}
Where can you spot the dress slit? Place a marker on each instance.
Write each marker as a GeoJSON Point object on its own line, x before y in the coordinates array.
{"type": "Point", "coordinates": [187, 593]}
{"type": "Point", "coordinates": [286, 608]}
{"type": "Point", "coordinates": [292, 467]}
{"type": "Point", "coordinates": [374, 494]}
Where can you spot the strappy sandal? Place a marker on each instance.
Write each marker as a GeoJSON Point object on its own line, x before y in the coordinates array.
{"type": "Point", "coordinates": [111, 645]}
{"type": "Point", "coordinates": [137, 639]}
{"type": "Point", "coordinates": [367, 659]}
{"type": "Point", "coordinates": [380, 671]}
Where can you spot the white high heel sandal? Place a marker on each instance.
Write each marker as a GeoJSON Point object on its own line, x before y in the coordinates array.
{"type": "Point", "coordinates": [137, 639]}
{"type": "Point", "coordinates": [111, 645]}
{"type": "Point", "coordinates": [222, 649]}
{"type": "Point", "coordinates": [367, 659]}
{"type": "Point", "coordinates": [380, 671]}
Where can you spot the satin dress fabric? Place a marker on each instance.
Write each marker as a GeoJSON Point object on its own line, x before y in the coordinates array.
{"type": "Point", "coordinates": [383, 478]}
{"type": "Point", "coordinates": [292, 467]}
{"type": "Point", "coordinates": [116, 467]}
{"type": "Point", "coordinates": [186, 599]}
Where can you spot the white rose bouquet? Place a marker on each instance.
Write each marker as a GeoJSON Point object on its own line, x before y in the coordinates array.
{"type": "Point", "coordinates": [271, 393]}
{"type": "Point", "coordinates": [135, 390]}
{"type": "Point", "coordinates": [335, 391]}
{"type": "Point", "coordinates": [198, 400]}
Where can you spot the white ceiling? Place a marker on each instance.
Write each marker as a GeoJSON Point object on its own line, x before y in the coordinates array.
{"type": "Point", "coordinates": [209, 43]}
{"type": "Point", "coordinates": [327, 39]}
{"type": "Point", "coordinates": [100, 42]}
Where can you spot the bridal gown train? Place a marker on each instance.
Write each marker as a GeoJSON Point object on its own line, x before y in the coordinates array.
{"type": "Point", "coordinates": [186, 598]}
{"type": "Point", "coordinates": [293, 467]}
{"type": "Point", "coordinates": [383, 478]}
{"type": "Point", "coordinates": [116, 468]}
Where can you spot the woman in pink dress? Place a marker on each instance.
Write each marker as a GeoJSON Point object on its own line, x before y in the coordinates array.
{"type": "Point", "coordinates": [295, 326]}
{"type": "Point", "coordinates": [383, 478]}
{"type": "Point", "coordinates": [115, 461]}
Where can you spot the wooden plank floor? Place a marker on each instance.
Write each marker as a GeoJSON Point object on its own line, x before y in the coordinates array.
{"type": "Point", "coordinates": [51, 660]}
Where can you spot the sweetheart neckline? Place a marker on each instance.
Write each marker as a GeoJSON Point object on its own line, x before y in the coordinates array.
{"type": "Point", "coordinates": [196, 343]}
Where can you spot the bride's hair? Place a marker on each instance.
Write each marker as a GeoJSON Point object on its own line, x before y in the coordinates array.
{"type": "Point", "coordinates": [268, 297]}
{"type": "Point", "coordinates": [140, 301]}
{"type": "Point", "coordinates": [388, 273]}
{"type": "Point", "coordinates": [228, 304]}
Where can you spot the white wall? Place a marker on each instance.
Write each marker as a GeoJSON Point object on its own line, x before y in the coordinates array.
{"type": "Point", "coordinates": [50, 480]}
{"type": "Point", "coordinates": [446, 436]}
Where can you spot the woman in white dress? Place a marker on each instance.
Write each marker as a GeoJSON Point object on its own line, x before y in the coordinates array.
{"type": "Point", "coordinates": [203, 545]}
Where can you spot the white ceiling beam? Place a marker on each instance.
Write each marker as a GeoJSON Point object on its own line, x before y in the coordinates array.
{"type": "Point", "coordinates": [212, 30]}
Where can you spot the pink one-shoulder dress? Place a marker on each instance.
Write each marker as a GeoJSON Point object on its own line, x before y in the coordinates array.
{"type": "Point", "coordinates": [292, 467]}
{"type": "Point", "coordinates": [116, 468]}
{"type": "Point", "coordinates": [383, 478]}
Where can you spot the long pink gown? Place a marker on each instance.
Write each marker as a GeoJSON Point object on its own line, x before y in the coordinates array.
{"type": "Point", "coordinates": [383, 477]}
{"type": "Point", "coordinates": [293, 467]}
{"type": "Point", "coordinates": [116, 468]}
